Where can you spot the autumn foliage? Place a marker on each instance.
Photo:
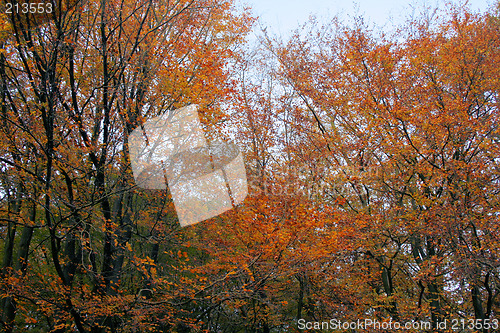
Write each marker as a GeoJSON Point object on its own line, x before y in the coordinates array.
{"type": "Point", "coordinates": [372, 161]}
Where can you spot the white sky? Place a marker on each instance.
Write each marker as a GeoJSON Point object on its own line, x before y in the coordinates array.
{"type": "Point", "coordinates": [282, 16]}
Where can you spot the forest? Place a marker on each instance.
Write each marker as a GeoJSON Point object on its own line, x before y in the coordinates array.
{"type": "Point", "coordinates": [372, 161]}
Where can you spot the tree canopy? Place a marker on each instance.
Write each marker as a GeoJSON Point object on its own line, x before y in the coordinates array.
{"type": "Point", "coordinates": [372, 162]}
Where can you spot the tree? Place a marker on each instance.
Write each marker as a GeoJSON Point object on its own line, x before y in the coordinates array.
{"type": "Point", "coordinates": [73, 88]}
{"type": "Point", "coordinates": [408, 133]}
{"type": "Point", "coordinates": [372, 164]}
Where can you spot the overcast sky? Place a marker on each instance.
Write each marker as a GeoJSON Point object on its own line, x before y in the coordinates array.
{"type": "Point", "coordinates": [282, 16]}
